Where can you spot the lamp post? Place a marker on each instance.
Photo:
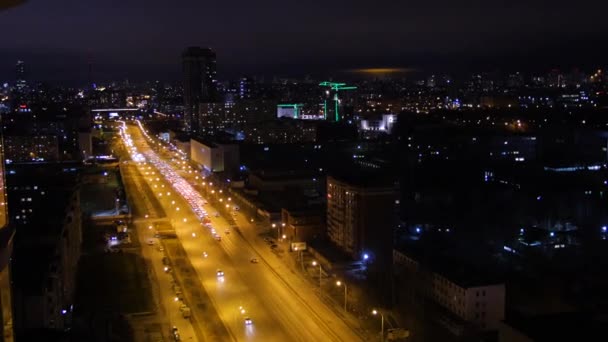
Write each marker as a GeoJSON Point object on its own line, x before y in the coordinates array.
{"type": "Point", "coordinates": [339, 283]}
{"type": "Point", "coordinates": [314, 263]}
{"type": "Point", "coordinates": [376, 312]}
{"type": "Point", "coordinates": [274, 225]}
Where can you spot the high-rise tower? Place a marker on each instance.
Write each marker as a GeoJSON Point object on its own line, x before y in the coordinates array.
{"type": "Point", "coordinates": [200, 83]}
{"type": "Point", "coordinates": [20, 75]}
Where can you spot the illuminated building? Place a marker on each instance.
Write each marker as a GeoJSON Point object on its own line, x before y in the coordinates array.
{"type": "Point", "coordinates": [214, 157]}
{"type": "Point", "coordinates": [469, 295]}
{"type": "Point", "coordinates": [360, 212]}
{"type": "Point", "coordinates": [47, 245]}
{"type": "Point", "coordinates": [378, 124]}
{"type": "Point", "coordinates": [200, 83]}
{"type": "Point", "coordinates": [245, 88]}
{"type": "Point", "coordinates": [292, 111]}
{"type": "Point", "coordinates": [34, 148]}
{"type": "Point", "coordinates": [281, 132]}
{"type": "Point", "coordinates": [20, 75]}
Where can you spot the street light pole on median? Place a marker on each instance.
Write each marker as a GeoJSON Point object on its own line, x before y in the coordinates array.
{"type": "Point", "coordinates": [314, 263]}
{"type": "Point", "coordinates": [339, 283]}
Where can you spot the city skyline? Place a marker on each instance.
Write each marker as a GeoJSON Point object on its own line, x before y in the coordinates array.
{"type": "Point", "coordinates": [299, 39]}
{"type": "Point", "coordinates": [303, 171]}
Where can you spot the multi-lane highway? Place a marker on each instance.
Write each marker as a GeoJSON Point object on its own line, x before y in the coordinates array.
{"type": "Point", "coordinates": [281, 305]}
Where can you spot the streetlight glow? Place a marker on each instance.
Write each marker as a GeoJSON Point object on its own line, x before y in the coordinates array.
{"type": "Point", "coordinates": [339, 283]}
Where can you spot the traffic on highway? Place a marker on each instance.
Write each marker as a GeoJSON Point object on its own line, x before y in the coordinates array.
{"type": "Point", "coordinates": [230, 267]}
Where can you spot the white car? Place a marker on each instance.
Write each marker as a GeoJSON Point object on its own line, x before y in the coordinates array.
{"type": "Point", "coordinates": [220, 273]}
{"type": "Point", "coordinates": [248, 321]}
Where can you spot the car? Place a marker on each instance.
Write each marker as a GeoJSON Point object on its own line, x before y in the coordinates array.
{"type": "Point", "coordinates": [227, 231]}
{"type": "Point", "coordinates": [267, 239]}
{"type": "Point", "coordinates": [248, 321]}
{"type": "Point", "coordinates": [167, 269]}
{"type": "Point", "coordinates": [254, 260]}
{"type": "Point", "coordinates": [175, 333]}
{"type": "Point", "coordinates": [273, 246]}
{"type": "Point", "coordinates": [219, 273]}
{"type": "Point", "coordinates": [218, 238]}
{"type": "Point", "coordinates": [150, 242]}
{"type": "Point", "coordinates": [205, 254]}
{"type": "Point", "coordinates": [216, 214]}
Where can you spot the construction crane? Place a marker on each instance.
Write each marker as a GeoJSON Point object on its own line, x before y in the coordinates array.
{"type": "Point", "coordinates": [335, 87]}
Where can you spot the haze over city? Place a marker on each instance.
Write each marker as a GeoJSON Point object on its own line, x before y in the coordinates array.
{"type": "Point", "coordinates": [137, 39]}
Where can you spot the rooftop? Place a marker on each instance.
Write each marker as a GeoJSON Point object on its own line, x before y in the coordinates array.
{"type": "Point", "coordinates": [452, 264]}
{"type": "Point", "coordinates": [561, 327]}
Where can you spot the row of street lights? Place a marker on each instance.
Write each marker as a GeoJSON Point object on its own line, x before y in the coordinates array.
{"type": "Point", "coordinates": [338, 283]}
{"type": "Point", "coordinates": [341, 283]}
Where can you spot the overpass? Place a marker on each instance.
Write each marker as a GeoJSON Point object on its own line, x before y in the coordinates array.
{"type": "Point", "coordinates": [104, 110]}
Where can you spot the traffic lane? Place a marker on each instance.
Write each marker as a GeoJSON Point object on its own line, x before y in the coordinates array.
{"type": "Point", "coordinates": [278, 298]}
{"type": "Point", "coordinates": [167, 296]}
{"type": "Point", "coordinates": [295, 310]}
{"type": "Point", "coordinates": [227, 296]}
{"type": "Point", "coordinates": [221, 225]}
{"type": "Point", "coordinates": [299, 285]}
{"type": "Point", "coordinates": [169, 307]}
{"type": "Point", "coordinates": [229, 292]}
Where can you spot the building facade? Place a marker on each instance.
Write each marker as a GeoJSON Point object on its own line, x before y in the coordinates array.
{"type": "Point", "coordinates": [215, 157]}
{"type": "Point", "coordinates": [360, 216]}
{"type": "Point", "coordinates": [6, 251]}
{"type": "Point", "coordinates": [470, 297]}
{"type": "Point", "coordinates": [48, 240]}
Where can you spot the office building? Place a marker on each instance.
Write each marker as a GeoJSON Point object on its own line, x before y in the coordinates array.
{"type": "Point", "coordinates": [472, 295]}
{"type": "Point", "coordinates": [200, 83]}
{"type": "Point", "coordinates": [361, 213]}
{"type": "Point", "coordinates": [31, 148]}
{"type": "Point", "coordinates": [245, 88]}
{"type": "Point", "coordinates": [48, 239]}
{"type": "Point", "coordinates": [213, 156]}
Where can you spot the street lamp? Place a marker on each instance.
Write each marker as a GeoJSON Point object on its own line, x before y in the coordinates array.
{"type": "Point", "coordinates": [314, 263]}
{"type": "Point", "coordinates": [339, 283]}
{"type": "Point", "coordinates": [376, 312]}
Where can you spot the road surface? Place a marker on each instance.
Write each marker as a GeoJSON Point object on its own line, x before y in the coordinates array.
{"type": "Point", "coordinates": [282, 306]}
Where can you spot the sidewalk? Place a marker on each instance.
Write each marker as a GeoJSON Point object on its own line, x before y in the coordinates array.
{"type": "Point", "coordinates": [254, 235]}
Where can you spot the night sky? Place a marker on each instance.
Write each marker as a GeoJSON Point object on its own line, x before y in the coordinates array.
{"type": "Point", "coordinates": [143, 39]}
